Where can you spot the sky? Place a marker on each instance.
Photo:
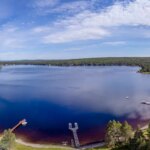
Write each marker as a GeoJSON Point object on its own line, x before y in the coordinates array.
{"type": "Point", "coordinates": [64, 29]}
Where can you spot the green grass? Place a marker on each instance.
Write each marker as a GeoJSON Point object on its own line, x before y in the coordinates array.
{"type": "Point", "coordinates": [99, 149]}
{"type": "Point", "coordinates": [103, 148]}
{"type": "Point", "coordinates": [22, 147]}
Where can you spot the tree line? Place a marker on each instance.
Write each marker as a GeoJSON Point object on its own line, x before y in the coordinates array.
{"type": "Point", "coordinates": [143, 62]}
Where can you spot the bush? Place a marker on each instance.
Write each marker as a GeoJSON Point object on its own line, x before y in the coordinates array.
{"type": "Point", "coordinates": [8, 141]}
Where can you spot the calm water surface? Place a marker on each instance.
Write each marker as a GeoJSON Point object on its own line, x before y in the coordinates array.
{"type": "Point", "coordinates": [51, 97]}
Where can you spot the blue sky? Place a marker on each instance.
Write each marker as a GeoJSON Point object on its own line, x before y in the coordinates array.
{"type": "Point", "coordinates": [62, 29]}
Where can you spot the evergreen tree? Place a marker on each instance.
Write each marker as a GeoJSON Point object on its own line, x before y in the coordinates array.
{"type": "Point", "coordinates": [113, 133]}
{"type": "Point", "coordinates": [8, 140]}
{"type": "Point", "coordinates": [148, 131]}
{"type": "Point", "coordinates": [126, 132]}
{"type": "Point", "coordinates": [109, 139]}
{"type": "Point", "coordinates": [139, 141]}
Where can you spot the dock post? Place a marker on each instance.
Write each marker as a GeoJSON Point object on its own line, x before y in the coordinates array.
{"type": "Point", "coordinates": [75, 135]}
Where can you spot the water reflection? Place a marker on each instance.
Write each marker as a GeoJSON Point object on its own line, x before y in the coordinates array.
{"type": "Point", "coordinates": [50, 97]}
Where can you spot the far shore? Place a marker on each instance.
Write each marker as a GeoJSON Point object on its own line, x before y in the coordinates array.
{"type": "Point", "coordinates": [139, 71]}
{"type": "Point", "coordinates": [143, 62]}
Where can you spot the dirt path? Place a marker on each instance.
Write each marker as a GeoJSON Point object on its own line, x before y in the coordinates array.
{"type": "Point", "coordinates": [19, 141]}
{"type": "Point", "coordinates": [42, 145]}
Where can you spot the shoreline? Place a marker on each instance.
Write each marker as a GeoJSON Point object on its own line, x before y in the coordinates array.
{"type": "Point", "coordinates": [36, 145]}
{"type": "Point", "coordinates": [107, 65]}
{"type": "Point", "coordinates": [139, 71]}
{"type": "Point", "coordinates": [46, 146]}
{"type": "Point", "coordinates": [142, 62]}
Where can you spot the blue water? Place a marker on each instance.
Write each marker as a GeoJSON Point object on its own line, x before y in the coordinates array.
{"type": "Point", "coordinates": [51, 97]}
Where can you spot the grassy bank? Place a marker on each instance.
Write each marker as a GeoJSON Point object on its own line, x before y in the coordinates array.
{"type": "Point", "coordinates": [103, 148]}
{"type": "Point", "coordinates": [23, 147]}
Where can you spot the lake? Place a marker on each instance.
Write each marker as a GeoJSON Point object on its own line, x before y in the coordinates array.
{"type": "Point", "coordinates": [51, 97]}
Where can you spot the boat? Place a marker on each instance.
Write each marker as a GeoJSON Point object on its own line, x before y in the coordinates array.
{"type": "Point", "coordinates": [145, 103]}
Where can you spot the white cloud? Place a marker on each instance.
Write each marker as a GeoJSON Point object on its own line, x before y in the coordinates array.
{"type": "Point", "coordinates": [9, 38]}
{"type": "Point", "coordinates": [45, 7]}
{"type": "Point", "coordinates": [115, 43]}
{"type": "Point", "coordinates": [71, 7]}
{"type": "Point", "coordinates": [13, 37]}
{"type": "Point", "coordinates": [41, 29]}
{"type": "Point", "coordinates": [75, 35]}
{"type": "Point", "coordinates": [86, 25]}
{"type": "Point", "coordinates": [96, 25]}
{"type": "Point", "coordinates": [45, 3]}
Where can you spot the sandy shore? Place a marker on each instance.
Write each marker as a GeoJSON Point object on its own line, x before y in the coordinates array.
{"type": "Point", "coordinates": [19, 141]}
{"type": "Point", "coordinates": [144, 127]}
